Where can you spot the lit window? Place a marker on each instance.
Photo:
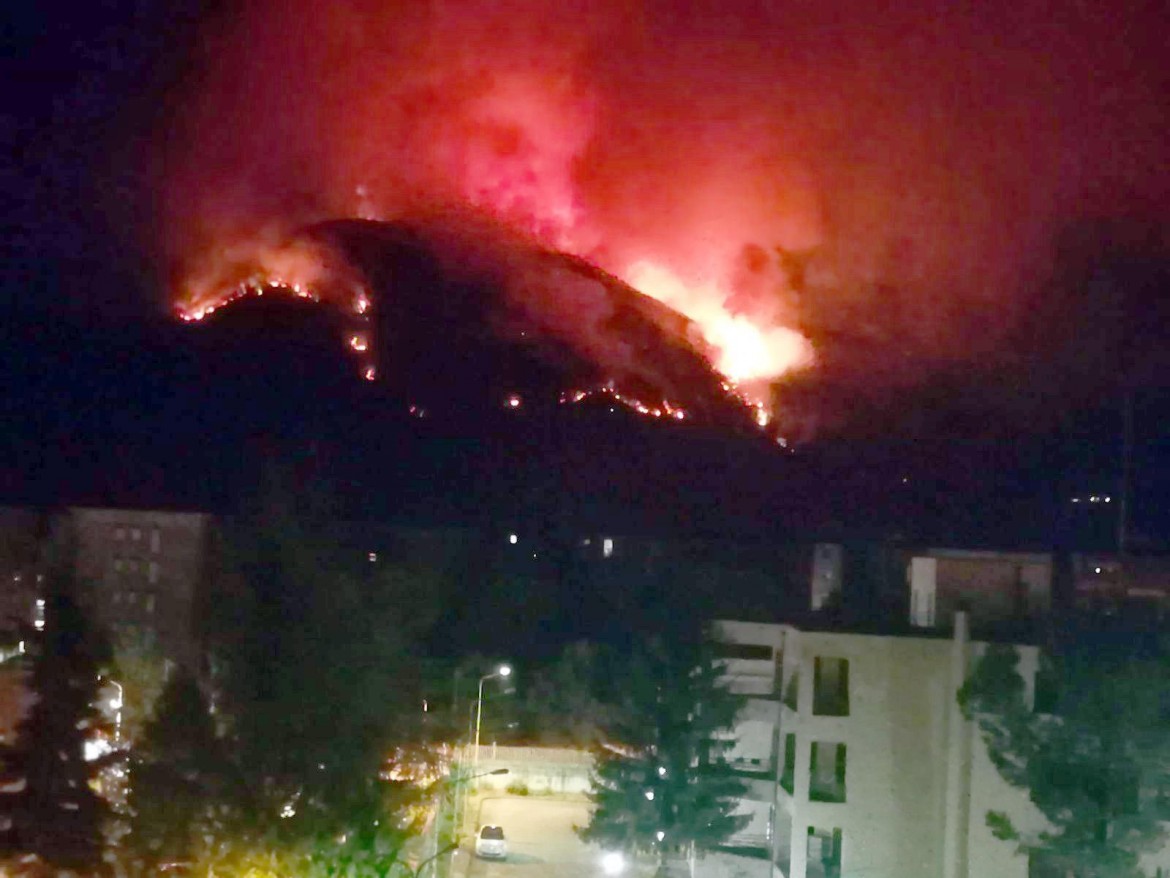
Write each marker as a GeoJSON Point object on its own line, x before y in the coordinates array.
{"type": "Point", "coordinates": [41, 602]}
{"type": "Point", "coordinates": [606, 547]}
{"type": "Point", "coordinates": [373, 556]}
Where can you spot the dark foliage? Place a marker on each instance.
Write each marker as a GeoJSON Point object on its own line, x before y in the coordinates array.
{"type": "Point", "coordinates": [48, 804]}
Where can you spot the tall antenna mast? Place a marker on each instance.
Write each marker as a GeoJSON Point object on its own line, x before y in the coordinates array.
{"type": "Point", "coordinates": [1126, 474]}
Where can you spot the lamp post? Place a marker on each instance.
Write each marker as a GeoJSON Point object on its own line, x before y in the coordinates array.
{"type": "Point", "coordinates": [457, 784]}
{"type": "Point", "coordinates": [501, 671]}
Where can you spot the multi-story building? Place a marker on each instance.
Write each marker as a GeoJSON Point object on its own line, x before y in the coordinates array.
{"type": "Point", "coordinates": [856, 754]}
{"type": "Point", "coordinates": [142, 574]}
{"type": "Point", "coordinates": [21, 569]}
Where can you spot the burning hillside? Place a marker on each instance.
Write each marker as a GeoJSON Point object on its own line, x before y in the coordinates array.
{"type": "Point", "coordinates": [428, 305]}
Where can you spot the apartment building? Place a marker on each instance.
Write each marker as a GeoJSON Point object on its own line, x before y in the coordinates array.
{"type": "Point", "coordinates": [21, 570]}
{"type": "Point", "coordinates": [857, 757]}
{"type": "Point", "coordinates": [142, 574]}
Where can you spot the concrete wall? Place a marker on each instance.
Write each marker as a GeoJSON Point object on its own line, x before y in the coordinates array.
{"type": "Point", "coordinates": [541, 769]}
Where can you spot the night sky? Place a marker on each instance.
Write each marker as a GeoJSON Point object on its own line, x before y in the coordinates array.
{"type": "Point", "coordinates": [961, 209]}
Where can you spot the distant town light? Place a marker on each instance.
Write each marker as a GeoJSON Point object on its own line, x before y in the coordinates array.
{"type": "Point", "coordinates": [649, 795]}
{"type": "Point", "coordinates": [606, 547]}
{"type": "Point", "coordinates": [662, 771]}
{"type": "Point", "coordinates": [513, 539]}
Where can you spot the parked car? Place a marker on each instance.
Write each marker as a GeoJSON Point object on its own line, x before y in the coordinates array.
{"type": "Point", "coordinates": [490, 843]}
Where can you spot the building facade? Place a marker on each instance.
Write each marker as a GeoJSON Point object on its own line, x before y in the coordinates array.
{"type": "Point", "coordinates": [142, 574]}
{"type": "Point", "coordinates": [857, 757]}
{"type": "Point", "coordinates": [21, 570]}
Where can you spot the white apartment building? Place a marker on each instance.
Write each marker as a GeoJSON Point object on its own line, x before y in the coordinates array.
{"type": "Point", "coordinates": [858, 759]}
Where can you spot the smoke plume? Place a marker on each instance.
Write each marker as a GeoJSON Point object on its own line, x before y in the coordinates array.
{"type": "Point", "coordinates": [780, 172]}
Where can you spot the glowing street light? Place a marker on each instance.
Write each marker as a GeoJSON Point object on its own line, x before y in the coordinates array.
{"type": "Point", "coordinates": [613, 863]}
{"type": "Point", "coordinates": [501, 671]}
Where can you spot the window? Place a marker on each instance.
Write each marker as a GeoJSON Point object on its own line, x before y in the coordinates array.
{"type": "Point", "coordinates": [131, 597]}
{"type": "Point", "coordinates": [150, 603]}
{"type": "Point", "coordinates": [789, 773]}
{"type": "Point", "coordinates": [743, 651]}
{"type": "Point", "coordinates": [119, 565]}
{"type": "Point", "coordinates": [155, 540]}
{"type": "Point", "coordinates": [120, 533]}
{"type": "Point", "coordinates": [831, 687]}
{"type": "Point", "coordinates": [824, 853]}
{"type": "Point", "coordinates": [136, 534]}
{"type": "Point", "coordinates": [827, 772]}
{"type": "Point", "coordinates": [607, 547]}
{"type": "Point", "coordinates": [153, 572]}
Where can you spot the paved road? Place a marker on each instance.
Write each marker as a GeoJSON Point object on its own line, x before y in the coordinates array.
{"type": "Point", "coordinates": [541, 841]}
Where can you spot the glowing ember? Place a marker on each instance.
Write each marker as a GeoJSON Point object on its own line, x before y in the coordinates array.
{"type": "Point", "coordinates": [664, 410]}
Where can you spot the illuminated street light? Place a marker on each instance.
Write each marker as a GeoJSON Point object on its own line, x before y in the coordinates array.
{"type": "Point", "coordinates": [501, 671]}
{"type": "Point", "coordinates": [613, 863]}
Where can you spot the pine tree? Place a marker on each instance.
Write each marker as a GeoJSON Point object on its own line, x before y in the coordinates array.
{"type": "Point", "coordinates": [314, 681]}
{"type": "Point", "coordinates": [660, 783]}
{"type": "Point", "coordinates": [1094, 759]}
{"type": "Point", "coordinates": [180, 779]}
{"type": "Point", "coordinates": [48, 803]}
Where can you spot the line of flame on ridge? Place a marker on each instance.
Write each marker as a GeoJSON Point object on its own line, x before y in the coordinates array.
{"type": "Point", "coordinates": [359, 342]}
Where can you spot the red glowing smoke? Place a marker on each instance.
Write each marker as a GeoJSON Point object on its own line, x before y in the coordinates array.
{"type": "Point", "coordinates": [767, 169]}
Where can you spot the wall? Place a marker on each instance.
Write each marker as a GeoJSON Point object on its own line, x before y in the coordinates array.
{"type": "Point", "coordinates": [557, 770]}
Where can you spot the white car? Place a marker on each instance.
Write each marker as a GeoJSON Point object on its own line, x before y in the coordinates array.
{"type": "Point", "coordinates": [490, 843]}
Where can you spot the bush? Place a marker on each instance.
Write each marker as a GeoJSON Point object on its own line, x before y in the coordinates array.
{"type": "Point", "coordinates": [518, 789]}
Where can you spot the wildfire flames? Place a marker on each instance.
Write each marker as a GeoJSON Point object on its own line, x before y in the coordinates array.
{"type": "Point", "coordinates": [770, 173]}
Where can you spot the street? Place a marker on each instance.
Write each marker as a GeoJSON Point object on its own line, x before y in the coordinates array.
{"type": "Point", "coordinates": [541, 841]}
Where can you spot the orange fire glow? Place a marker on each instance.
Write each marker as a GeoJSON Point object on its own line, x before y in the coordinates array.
{"type": "Point", "coordinates": [748, 351]}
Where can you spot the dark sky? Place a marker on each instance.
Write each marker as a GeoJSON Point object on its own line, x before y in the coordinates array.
{"type": "Point", "coordinates": [977, 193]}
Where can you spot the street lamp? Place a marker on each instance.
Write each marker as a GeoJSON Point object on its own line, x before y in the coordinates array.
{"type": "Point", "coordinates": [501, 671]}
{"type": "Point", "coordinates": [457, 784]}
